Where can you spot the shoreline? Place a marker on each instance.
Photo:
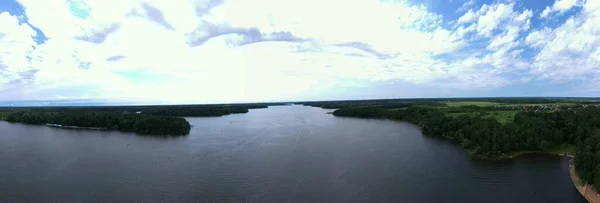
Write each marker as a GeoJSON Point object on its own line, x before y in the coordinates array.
{"type": "Point", "coordinates": [59, 126]}
{"type": "Point", "coordinates": [587, 191]}
{"type": "Point", "coordinates": [566, 151]}
{"type": "Point", "coordinates": [83, 128]}
{"type": "Point", "coordinates": [74, 127]}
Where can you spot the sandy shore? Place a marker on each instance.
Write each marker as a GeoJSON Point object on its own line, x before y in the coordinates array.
{"type": "Point", "coordinates": [586, 190]}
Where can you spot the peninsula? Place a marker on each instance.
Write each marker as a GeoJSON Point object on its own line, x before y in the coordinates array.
{"type": "Point", "coordinates": [163, 120]}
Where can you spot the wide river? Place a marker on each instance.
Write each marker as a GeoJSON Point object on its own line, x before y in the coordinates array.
{"type": "Point", "coordinates": [278, 154]}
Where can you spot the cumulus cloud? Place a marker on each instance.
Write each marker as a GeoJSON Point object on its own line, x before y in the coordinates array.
{"type": "Point", "coordinates": [570, 51]}
{"type": "Point", "coordinates": [560, 6]}
{"type": "Point", "coordinates": [466, 5]}
{"type": "Point", "coordinates": [237, 50]}
{"type": "Point", "coordinates": [15, 53]}
{"type": "Point", "coordinates": [467, 17]}
{"type": "Point", "coordinates": [539, 38]}
{"type": "Point", "coordinates": [492, 17]}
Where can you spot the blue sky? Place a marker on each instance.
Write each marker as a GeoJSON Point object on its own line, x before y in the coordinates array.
{"type": "Point", "coordinates": [211, 51]}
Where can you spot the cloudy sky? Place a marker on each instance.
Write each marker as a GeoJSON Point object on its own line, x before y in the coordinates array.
{"type": "Point", "coordinates": [210, 51]}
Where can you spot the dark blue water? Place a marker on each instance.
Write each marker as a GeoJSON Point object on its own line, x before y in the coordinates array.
{"type": "Point", "coordinates": [279, 154]}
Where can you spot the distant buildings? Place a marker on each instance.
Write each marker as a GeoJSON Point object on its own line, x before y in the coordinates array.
{"type": "Point", "coordinates": [546, 107]}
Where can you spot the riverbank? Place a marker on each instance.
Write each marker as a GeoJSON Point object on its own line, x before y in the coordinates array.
{"type": "Point", "coordinates": [567, 150]}
{"type": "Point", "coordinates": [486, 137]}
{"type": "Point", "coordinates": [84, 128]}
{"type": "Point", "coordinates": [74, 127]}
{"type": "Point", "coordinates": [586, 190]}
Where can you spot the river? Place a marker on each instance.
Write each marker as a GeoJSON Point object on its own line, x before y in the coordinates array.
{"type": "Point", "coordinates": [278, 154]}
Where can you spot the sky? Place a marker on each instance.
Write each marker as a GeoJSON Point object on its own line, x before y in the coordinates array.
{"type": "Point", "coordinates": [222, 51]}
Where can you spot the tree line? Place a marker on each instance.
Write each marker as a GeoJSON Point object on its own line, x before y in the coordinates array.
{"type": "Point", "coordinates": [139, 123]}
{"type": "Point", "coordinates": [374, 103]}
{"type": "Point", "coordinates": [196, 111]}
{"type": "Point", "coordinates": [159, 110]}
{"type": "Point", "coordinates": [202, 110]}
{"type": "Point", "coordinates": [156, 119]}
{"type": "Point", "coordinates": [440, 102]}
{"type": "Point", "coordinates": [528, 131]}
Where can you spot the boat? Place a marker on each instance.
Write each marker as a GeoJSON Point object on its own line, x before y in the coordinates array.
{"type": "Point", "coordinates": [74, 127]}
{"type": "Point", "coordinates": [54, 125]}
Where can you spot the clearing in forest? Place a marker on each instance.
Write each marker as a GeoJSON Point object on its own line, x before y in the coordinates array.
{"type": "Point", "coordinates": [501, 116]}
{"type": "Point", "coordinates": [467, 103]}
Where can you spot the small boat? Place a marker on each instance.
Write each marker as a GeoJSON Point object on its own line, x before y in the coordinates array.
{"type": "Point", "coordinates": [54, 125]}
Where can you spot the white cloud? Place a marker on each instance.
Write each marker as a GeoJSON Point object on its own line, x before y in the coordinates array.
{"type": "Point", "coordinates": [152, 38]}
{"type": "Point", "coordinates": [15, 49]}
{"type": "Point", "coordinates": [237, 50]}
{"type": "Point", "coordinates": [563, 5]}
{"type": "Point", "coordinates": [560, 6]}
{"type": "Point", "coordinates": [506, 39]}
{"type": "Point", "coordinates": [570, 52]}
{"type": "Point", "coordinates": [546, 12]}
{"type": "Point", "coordinates": [468, 17]}
{"type": "Point", "coordinates": [539, 38]}
{"type": "Point", "coordinates": [466, 5]}
{"type": "Point", "coordinates": [501, 27]}
{"type": "Point", "coordinates": [493, 17]}
{"type": "Point", "coordinates": [510, 31]}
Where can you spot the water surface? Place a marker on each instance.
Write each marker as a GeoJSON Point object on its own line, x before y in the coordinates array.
{"type": "Point", "coordinates": [279, 154]}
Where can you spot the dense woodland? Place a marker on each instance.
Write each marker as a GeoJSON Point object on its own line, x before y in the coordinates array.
{"type": "Point", "coordinates": [487, 137]}
{"type": "Point", "coordinates": [140, 123]}
{"type": "Point", "coordinates": [384, 104]}
{"type": "Point", "coordinates": [439, 102]}
{"type": "Point", "coordinates": [159, 110]}
{"type": "Point", "coordinates": [159, 120]}
{"type": "Point", "coordinates": [202, 110]}
{"type": "Point", "coordinates": [196, 111]}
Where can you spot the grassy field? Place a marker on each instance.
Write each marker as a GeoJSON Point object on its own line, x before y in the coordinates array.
{"type": "Point", "coordinates": [501, 116]}
{"type": "Point", "coordinates": [561, 104]}
{"type": "Point", "coordinates": [466, 103]}
{"type": "Point", "coordinates": [485, 103]}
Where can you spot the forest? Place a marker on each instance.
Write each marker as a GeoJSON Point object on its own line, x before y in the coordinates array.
{"type": "Point", "coordinates": [442, 102]}
{"type": "Point", "coordinates": [473, 129]}
{"type": "Point", "coordinates": [139, 123]}
{"type": "Point", "coordinates": [154, 120]}
{"type": "Point", "coordinates": [159, 110]}
{"type": "Point", "coordinates": [201, 110]}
